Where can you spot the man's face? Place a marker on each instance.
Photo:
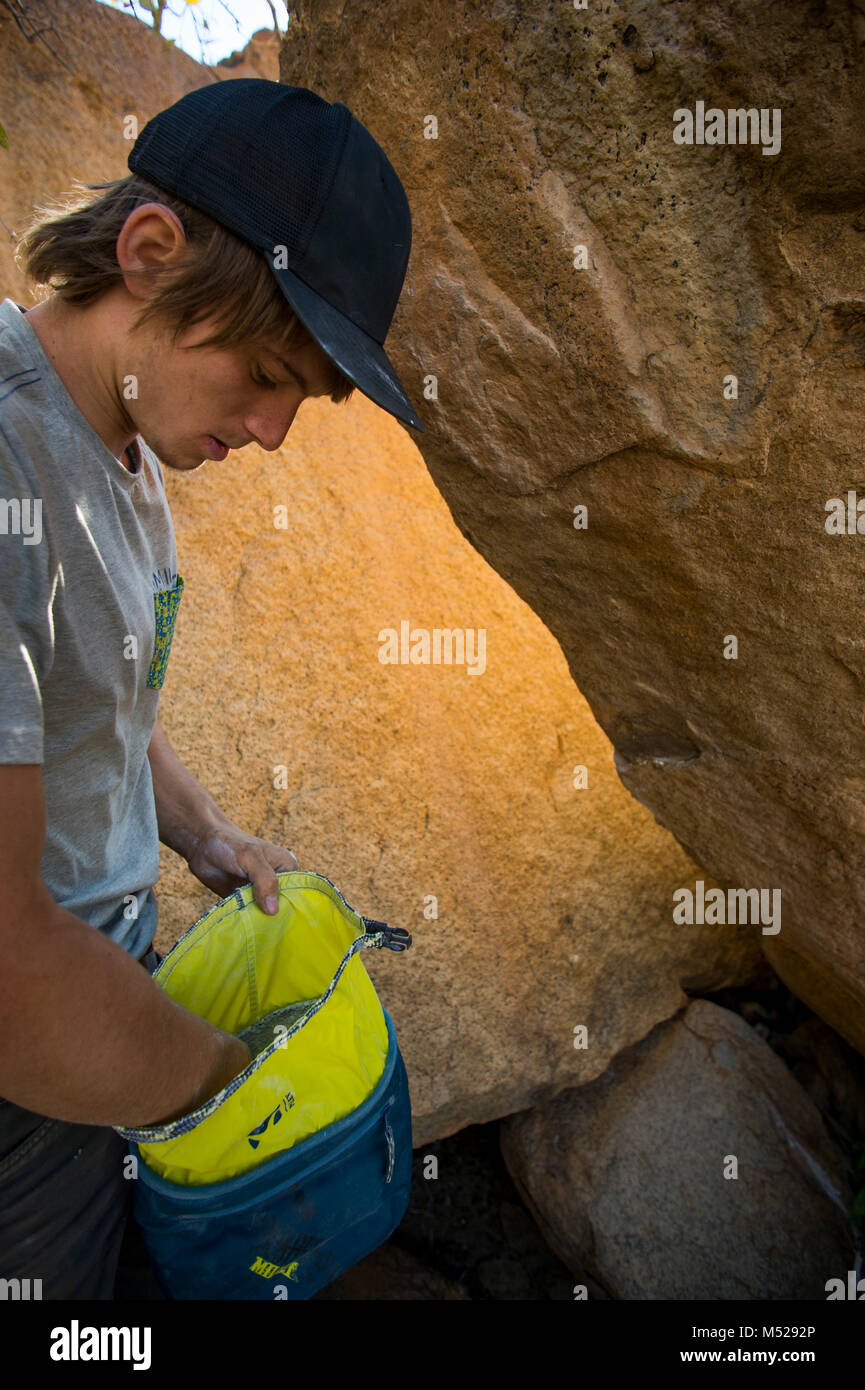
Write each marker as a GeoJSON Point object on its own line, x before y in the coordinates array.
{"type": "Point", "coordinates": [185, 395]}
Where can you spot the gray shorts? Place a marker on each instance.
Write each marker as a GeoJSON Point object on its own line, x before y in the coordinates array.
{"type": "Point", "coordinates": [65, 1208]}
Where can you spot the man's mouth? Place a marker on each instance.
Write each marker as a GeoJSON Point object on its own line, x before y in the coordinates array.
{"type": "Point", "coordinates": [218, 449]}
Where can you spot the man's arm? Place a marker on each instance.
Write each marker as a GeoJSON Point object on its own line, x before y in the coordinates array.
{"type": "Point", "coordinates": [185, 811]}
{"type": "Point", "coordinates": [85, 1033]}
{"type": "Point", "coordinates": [218, 852]}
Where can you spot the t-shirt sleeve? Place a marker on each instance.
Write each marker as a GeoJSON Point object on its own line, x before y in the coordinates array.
{"type": "Point", "coordinates": [26, 626]}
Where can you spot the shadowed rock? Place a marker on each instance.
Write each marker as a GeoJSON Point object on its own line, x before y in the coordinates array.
{"type": "Point", "coordinates": [630, 1177]}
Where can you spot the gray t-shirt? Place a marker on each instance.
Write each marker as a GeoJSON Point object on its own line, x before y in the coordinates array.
{"type": "Point", "coordinates": [89, 592]}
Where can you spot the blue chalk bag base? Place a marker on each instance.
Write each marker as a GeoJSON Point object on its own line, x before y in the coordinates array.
{"type": "Point", "coordinates": [288, 1228]}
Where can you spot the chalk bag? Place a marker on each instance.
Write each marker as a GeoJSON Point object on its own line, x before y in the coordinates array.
{"type": "Point", "coordinates": [301, 1165]}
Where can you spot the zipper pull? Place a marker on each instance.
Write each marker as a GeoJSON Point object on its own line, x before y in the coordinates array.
{"type": "Point", "coordinates": [395, 938]}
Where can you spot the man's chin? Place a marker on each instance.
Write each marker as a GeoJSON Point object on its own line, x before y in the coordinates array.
{"type": "Point", "coordinates": [182, 463]}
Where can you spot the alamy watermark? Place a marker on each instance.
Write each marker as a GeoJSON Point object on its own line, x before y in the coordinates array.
{"type": "Point", "coordinates": [846, 516]}
{"type": "Point", "coordinates": [737, 126]}
{"type": "Point", "coordinates": [419, 646]}
{"type": "Point", "coordinates": [20, 1290]}
{"type": "Point", "coordinates": [21, 516]}
{"type": "Point", "coordinates": [852, 1288]}
{"type": "Point", "coordinates": [77, 1343]}
{"type": "Point", "coordinates": [738, 906]}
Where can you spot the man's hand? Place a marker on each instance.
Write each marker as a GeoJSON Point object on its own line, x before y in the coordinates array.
{"type": "Point", "coordinates": [225, 858]}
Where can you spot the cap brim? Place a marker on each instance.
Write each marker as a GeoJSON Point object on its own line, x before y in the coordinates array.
{"type": "Point", "coordinates": [358, 356]}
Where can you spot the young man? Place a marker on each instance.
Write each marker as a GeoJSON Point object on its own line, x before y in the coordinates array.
{"type": "Point", "coordinates": [254, 257]}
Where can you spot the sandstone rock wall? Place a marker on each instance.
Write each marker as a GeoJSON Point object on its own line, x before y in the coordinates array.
{"type": "Point", "coordinates": [608, 387]}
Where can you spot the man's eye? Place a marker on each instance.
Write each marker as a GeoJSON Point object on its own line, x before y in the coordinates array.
{"type": "Point", "coordinates": [261, 380]}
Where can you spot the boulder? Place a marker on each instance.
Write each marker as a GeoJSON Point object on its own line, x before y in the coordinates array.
{"type": "Point", "coordinates": [434, 799]}
{"type": "Point", "coordinates": [669, 335]}
{"type": "Point", "coordinates": [695, 1168]}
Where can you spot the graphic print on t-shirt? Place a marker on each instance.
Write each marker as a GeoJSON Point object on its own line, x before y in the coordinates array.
{"type": "Point", "coordinates": [167, 593]}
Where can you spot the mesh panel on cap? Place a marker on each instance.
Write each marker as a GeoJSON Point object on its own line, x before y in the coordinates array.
{"type": "Point", "coordinates": [266, 210]}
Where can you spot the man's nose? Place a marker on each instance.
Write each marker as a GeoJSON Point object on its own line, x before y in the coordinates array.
{"type": "Point", "coordinates": [269, 430]}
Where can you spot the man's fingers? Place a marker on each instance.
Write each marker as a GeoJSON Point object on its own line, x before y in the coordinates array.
{"type": "Point", "coordinates": [266, 887]}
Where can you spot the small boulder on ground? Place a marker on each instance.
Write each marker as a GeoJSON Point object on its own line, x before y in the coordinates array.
{"type": "Point", "coordinates": [695, 1167]}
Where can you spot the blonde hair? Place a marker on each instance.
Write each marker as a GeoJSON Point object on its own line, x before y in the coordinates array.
{"type": "Point", "coordinates": [71, 247]}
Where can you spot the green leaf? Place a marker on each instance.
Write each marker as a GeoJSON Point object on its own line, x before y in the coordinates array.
{"type": "Point", "coordinates": [3, 139]}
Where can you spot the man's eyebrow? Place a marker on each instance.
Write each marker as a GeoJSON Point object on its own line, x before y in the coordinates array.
{"type": "Point", "coordinates": [292, 371]}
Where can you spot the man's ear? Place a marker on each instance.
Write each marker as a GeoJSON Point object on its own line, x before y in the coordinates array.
{"type": "Point", "coordinates": [150, 239]}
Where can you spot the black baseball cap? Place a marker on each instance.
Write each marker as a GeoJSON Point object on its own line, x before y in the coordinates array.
{"type": "Point", "coordinates": [301, 180]}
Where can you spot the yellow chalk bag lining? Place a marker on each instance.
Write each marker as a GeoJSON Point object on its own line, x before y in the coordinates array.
{"type": "Point", "coordinates": [235, 965]}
